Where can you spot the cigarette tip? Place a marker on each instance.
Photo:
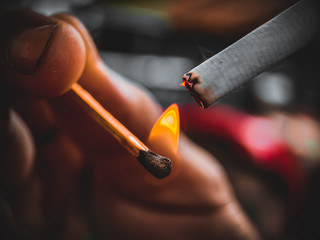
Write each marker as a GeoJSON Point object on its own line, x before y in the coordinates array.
{"type": "Point", "coordinates": [156, 164]}
{"type": "Point", "coordinates": [189, 81]}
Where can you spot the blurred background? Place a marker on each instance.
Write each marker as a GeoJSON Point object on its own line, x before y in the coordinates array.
{"type": "Point", "coordinates": [266, 134]}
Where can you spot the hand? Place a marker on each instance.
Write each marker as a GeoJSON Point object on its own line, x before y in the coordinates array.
{"type": "Point", "coordinates": [62, 175]}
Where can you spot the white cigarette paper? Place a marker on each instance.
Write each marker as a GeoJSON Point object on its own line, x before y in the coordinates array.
{"type": "Point", "coordinates": [254, 53]}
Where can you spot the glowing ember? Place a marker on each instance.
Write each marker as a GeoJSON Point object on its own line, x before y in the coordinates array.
{"type": "Point", "coordinates": [165, 131]}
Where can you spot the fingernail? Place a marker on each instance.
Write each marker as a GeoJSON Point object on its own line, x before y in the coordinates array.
{"type": "Point", "coordinates": [26, 49]}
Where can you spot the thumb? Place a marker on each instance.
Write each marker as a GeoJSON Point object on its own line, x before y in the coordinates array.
{"type": "Point", "coordinates": [40, 56]}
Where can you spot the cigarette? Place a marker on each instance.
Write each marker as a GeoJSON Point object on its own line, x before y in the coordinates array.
{"type": "Point", "coordinates": [156, 164]}
{"type": "Point", "coordinates": [254, 53]}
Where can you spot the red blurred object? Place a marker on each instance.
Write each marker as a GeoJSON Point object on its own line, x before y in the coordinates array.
{"type": "Point", "coordinates": [260, 137]}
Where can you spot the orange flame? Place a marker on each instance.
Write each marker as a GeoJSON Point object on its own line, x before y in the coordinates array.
{"type": "Point", "coordinates": [183, 84]}
{"type": "Point", "coordinates": [165, 131]}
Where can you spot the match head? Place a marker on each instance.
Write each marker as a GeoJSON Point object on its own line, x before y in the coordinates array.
{"type": "Point", "coordinates": [156, 164]}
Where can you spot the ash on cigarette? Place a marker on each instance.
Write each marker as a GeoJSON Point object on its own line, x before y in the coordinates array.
{"type": "Point", "coordinates": [189, 82]}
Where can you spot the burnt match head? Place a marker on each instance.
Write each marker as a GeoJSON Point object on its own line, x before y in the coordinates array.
{"type": "Point", "coordinates": [156, 164]}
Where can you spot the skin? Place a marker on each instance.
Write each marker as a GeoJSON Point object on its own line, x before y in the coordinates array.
{"type": "Point", "coordinates": [70, 179]}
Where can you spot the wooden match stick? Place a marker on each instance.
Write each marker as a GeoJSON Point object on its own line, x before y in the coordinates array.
{"type": "Point", "coordinates": [254, 53]}
{"type": "Point", "coordinates": [156, 164]}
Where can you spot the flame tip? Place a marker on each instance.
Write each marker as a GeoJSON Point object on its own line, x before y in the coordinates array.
{"type": "Point", "coordinates": [167, 128]}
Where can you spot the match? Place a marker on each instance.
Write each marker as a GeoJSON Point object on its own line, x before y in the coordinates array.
{"type": "Point", "coordinates": [156, 164]}
{"type": "Point", "coordinates": [254, 53]}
